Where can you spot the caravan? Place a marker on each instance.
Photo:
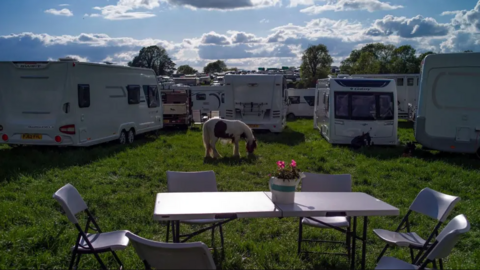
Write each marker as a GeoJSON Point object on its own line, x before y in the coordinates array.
{"type": "Point", "coordinates": [68, 103]}
{"type": "Point", "coordinates": [407, 90]}
{"type": "Point", "coordinates": [260, 101]}
{"type": "Point", "coordinates": [301, 103]}
{"type": "Point", "coordinates": [448, 114]}
{"type": "Point", "coordinates": [349, 110]}
{"type": "Point", "coordinates": [207, 99]}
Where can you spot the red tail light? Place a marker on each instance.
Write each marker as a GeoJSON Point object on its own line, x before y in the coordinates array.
{"type": "Point", "coordinates": [68, 129]}
{"type": "Point", "coordinates": [58, 139]}
{"type": "Point", "coordinates": [5, 137]}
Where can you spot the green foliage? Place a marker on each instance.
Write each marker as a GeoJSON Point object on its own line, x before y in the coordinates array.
{"type": "Point", "coordinates": [316, 62]}
{"type": "Point", "coordinates": [217, 66]}
{"type": "Point", "coordinates": [156, 58]}
{"type": "Point", "coordinates": [186, 69]}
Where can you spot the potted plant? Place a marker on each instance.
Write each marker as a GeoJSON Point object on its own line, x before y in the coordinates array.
{"type": "Point", "coordinates": [284, 182]}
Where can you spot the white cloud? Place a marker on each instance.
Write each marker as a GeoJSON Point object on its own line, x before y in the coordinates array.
{"type": "Point", "coordinates": [224, 5]}
{"type": "Point", "coordinates": [62, 12]}
{"type": "Point", "coordinates": [93, 15]}
{"type": "Point", "coordinates": [123, 9]}
{"type": "Point", "coordinates": [295, 3]}
{"type": "Point", "coordinates": [79, 58]}
{"type": "Point", "coordinates": [264, 21]}
{"type": "Point", "coordinates": [408, 27]}
{"type": "Point", "coordinates": [214, 38]}
{"type": "Point", "coordinates": [347, 5]}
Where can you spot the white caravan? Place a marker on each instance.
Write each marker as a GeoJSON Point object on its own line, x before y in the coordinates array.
{"type": "Point", "coordinates": [187, 80]}
{"type": "Point", "coordinates": [301, 103]}
{"type": "Point", "coordinates": [407, 90]}
{"type": "Point", "coordinates": [207, 99]}
{"type": "Point", "coordinates": [260, 101]}
{"type": "Point", "coordinates": [68, 103]}
{"type": "Point", "coordinates": [448, 114]}
{"type": "Point", "coordinates": [347, 109]}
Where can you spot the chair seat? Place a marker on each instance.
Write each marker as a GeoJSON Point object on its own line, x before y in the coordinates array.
{"type": "Point", "coordinates": [115, 240]}
{"type": "Point", "coordinates": [201, 221]}
{"type": "Point", "coordinates": [394, 263]}
{"type": "Point", "coordinates": [400, 239]}
{"type": "Point", "coordinates": [333, 221]}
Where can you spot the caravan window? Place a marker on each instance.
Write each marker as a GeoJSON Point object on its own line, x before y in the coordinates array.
{"type": "Point", "coordinates": [410, 81]}
{"type": "Point", "coordinates": [400, 82]}
{"type": "Point", "coordinates": [310, 100]}
{"type": "Point", "coordinates": [341, 106]}
{"type": "Point", "coordinates": [385, 107]}
{"type": "Point", "coordinates": [363, 106]}
{"type": "Point", "coordinates": [151, 93]}
{"type": "Point", "coordinates": [83, 95]}
{"type": "Point", "coordinates": [294, 99]}
{"type": "Point", "coordinates": [201, 96]}
{"type": "Point", "coordinates": [133, 94]}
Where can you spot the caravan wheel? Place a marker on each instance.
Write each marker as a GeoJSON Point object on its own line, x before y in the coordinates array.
{"type": "Point", "coordinates": [291, 117]}
{"type": "Point", "coordinates": [123, 137]}
{"type": "Point", "coordinates": [131, 136]}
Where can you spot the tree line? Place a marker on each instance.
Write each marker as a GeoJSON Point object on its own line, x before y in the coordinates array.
{"type": "Point", "coordinates": [374, 58]}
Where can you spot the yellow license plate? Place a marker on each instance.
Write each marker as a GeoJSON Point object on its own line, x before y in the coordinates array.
{"type": "Point", "coordinates": [31, 136]}
{"type": "Point", "coordinates": [253, 126]}
{"type": "Point", "coordinates": [166, 121]}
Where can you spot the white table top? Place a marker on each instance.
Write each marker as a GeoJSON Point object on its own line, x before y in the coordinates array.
{"type": "Point", "coordinates": [206, 205]}
{"type": "Point", "coordinates": [310, 204]}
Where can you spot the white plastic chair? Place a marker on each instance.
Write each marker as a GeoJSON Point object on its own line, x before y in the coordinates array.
{"type": "Point", "coordinates": [197, 118]}
{"type": "Point", "coordinates": [204, 181]}
{"type": "Point", "coordinates": [214, 114]}
{"type": "Point", "coordinates": [440, 249]}
{"type": "Point", "coordinates": [428, 202]}
{"type": "Point", "coordinates": [86, 243]}
{"type": "Point", "coordinates": [327, 183]}
{"type": "Point", "coordinates": [172, 255]}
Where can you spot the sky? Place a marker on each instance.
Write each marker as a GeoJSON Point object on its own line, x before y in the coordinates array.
{"type": "Point", "coordinates": [246, 34]}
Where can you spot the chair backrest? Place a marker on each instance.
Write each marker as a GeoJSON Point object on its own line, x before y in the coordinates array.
{"type": "Point", "coordinates": [215, 114]}
{"type": "Point", "coordinates": [71, 201]}
{"type": "Point", "coordinates": [172, 255]}
{"type": "Point", "coordinates": [196, 116]}
{"type": "Point", "coordinates": [314, 182]}
{"type": "Point", "coordinates": [434, 204]}
{"type": "Point", "coordinates": [449, 237]}
{"type": "Point", "coordinates": [191, 181]}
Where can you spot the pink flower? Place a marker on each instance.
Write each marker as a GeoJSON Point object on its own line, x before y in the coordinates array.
{"type": "Point", "coordinates": [281, 164]}
{"type": "Point", "coordinates": [293, 164]}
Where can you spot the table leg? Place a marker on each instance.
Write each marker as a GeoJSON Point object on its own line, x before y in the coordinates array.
{"type": "Point", "coordinates": [364, 240]}
{"type": "Point", "coordinates": [177, 232]}
{"type": "Point", "coordinates": [354, 241]}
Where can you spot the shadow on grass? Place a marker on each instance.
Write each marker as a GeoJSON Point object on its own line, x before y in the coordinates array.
{"type": "Point", "coordinates": [232, 161]}
{"type": "Point", "coordinates": [174, 130]}
{"type": "Point", "coordinates": [287, 137]}
{"type": "Point", "coordinates": [34, 160]}
{"type": "Point", "coordinates": [405, 125]}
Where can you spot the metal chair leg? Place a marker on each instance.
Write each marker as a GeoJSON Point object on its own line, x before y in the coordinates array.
{"type": "Point", "coordinates": [221, 235]}
{"type": "Point", "coordinates": [100, 261]}
{"type": "Point", "coordinates": [300, 236]}
{"type": "Point", "coordinates": [348, 243]}
{"type": "Point", "coordinates": [168, 231]}
{"type": "Point", "coordinates": [78, 261]}
{"type": "Point", "coordinates": [411, 255]}
{"type": "Point", "coordinates": [440, 262]}
{"type": "Point", "coordinates": [381, 253]}
{"type": "Point", "coordinates": [117, 259]}
{"type": "Point", "coordinates": [72, 260]}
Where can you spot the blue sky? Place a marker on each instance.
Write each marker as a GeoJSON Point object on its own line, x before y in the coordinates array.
{"type": "Point", "coordinates": [244, 33]}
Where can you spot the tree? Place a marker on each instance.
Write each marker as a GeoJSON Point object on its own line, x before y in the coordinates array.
{"type": "Point", "coordinates": [156, 58]}
{"type": "Point", "coordinates": [367, 63]}
{"type": "Point", "coordinates": [316, 62]}
{"type": "Point", "coordinates": [382, 53]}
{"type": "Point", "coordinates": [217, 66]}
{"type": "Point", "coordinates": [404, 60]}
{"type": "Point", "coordinates": [186, 69]}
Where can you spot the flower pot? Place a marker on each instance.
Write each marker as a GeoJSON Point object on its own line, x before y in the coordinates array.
{"type": "Point", "coordinates": [283, 191]}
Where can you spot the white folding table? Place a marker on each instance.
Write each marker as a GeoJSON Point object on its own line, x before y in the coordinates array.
{"type": "Point", "coordinates": [231, 205]}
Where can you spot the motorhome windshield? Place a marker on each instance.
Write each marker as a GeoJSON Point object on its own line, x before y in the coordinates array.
{"type": "Point", "coordinates": [364, 106]}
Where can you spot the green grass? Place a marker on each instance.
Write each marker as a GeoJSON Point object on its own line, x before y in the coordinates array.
{"type": "Point", "coordinates": [119, 183]}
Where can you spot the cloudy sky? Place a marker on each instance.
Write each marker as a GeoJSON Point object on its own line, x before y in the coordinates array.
{"type": "Point", "coordinates": [244, 33]}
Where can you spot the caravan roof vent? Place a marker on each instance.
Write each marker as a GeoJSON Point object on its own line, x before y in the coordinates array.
{"type": "Point", "coordinates": [67, 59]}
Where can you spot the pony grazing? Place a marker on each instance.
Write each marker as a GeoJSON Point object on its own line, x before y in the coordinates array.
{"type": "Point", "coordinates": [234, 130]}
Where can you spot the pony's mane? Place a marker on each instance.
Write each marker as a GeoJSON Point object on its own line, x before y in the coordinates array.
{"type": "Point", "coordinates": [247, 128]}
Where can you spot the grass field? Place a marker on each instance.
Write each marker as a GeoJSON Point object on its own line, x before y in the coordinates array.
{"type": "Point", "coordinates": [119, 183]}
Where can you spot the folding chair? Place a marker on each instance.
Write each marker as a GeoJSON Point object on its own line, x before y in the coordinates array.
{"type": "Point", "coordinates": [72, 203]}
{"type": "Point", "coordinates": [194, 182]}
{"type": "Point", "coordinates": [172, 255]}
{"type": "Point", "coordinates": [326, 183]}
{"type": "Point", "coordinates": [197, 118]}
{"type": "Point", "coordinates": [428, 202]}
{"type": "Point", "coordinates": [440, 249]}
{"type": "Point", "coordinates": [214, 114]}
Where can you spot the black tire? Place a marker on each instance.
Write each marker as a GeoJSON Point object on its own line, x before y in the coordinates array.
{"type": "Point", "coordinates": [131, 136]}
{"type": "Point", "coordinates": [291, 117]}
{"type": "Point", "coordinates": [122, 139]}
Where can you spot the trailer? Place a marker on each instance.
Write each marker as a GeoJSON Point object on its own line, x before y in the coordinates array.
{"type": "Point", "coordinates": [301, 103]}
{"type": "Point", "coordinates": [260, 101]}
{"type": "Point", "coordinates": [177, 106]}
{"type": "Point", "coordinates": [351, 111]}
{"type": "Point", "coordinates": [407, 90]}
{"type": "Point", "coordinates": [207, 99]}
{"type": "Point", "coordinates": [448, 114]}
{"type": "Point", "coordinates": [187, 80]}
{"type": "Point", "coordinates": [70, 103]}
